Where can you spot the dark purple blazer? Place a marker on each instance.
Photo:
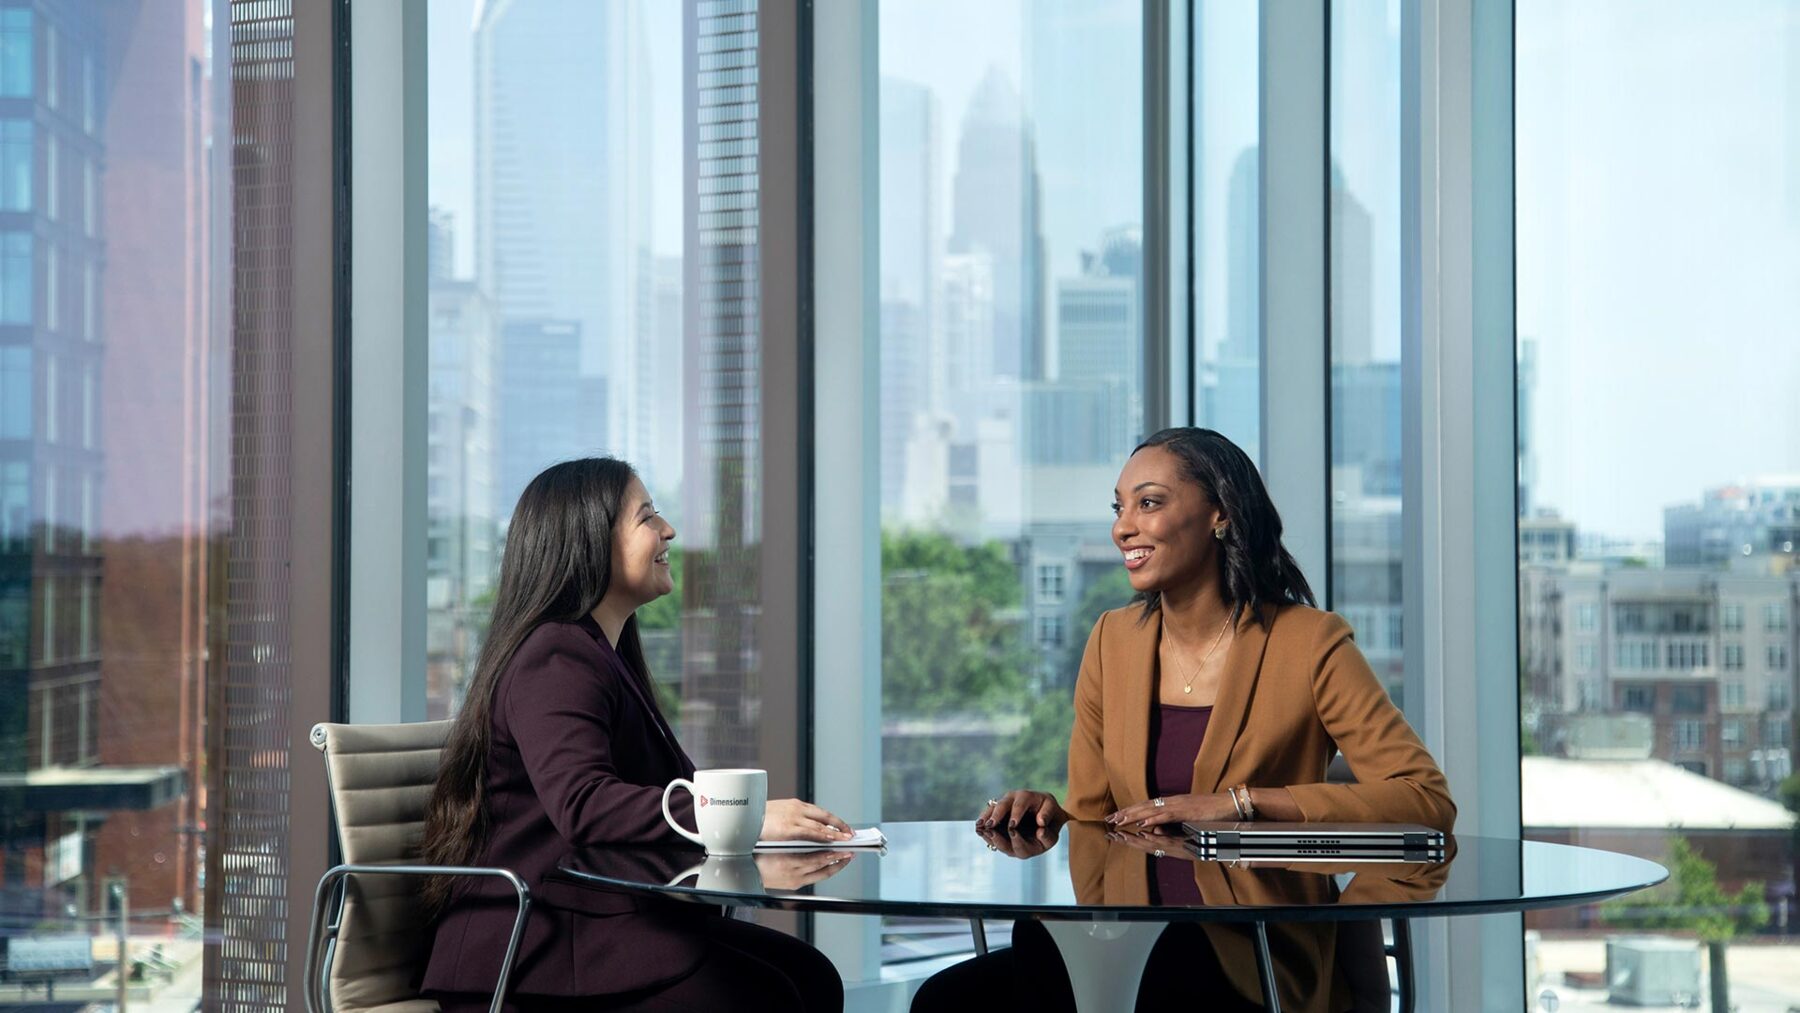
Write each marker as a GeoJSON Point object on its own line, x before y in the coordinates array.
{"type": "Point", "coordinates": [579, 758]}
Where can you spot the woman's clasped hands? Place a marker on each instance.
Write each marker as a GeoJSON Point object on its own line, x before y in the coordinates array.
{"type": "Point", "coordinates": [1176, 809]}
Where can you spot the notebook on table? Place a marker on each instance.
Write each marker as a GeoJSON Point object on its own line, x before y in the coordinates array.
{"type": "Point", "coordinates": [1315, 842]}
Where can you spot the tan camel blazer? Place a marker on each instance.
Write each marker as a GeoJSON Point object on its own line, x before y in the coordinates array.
{"type": "Point", "coordinates": [1295, 690]}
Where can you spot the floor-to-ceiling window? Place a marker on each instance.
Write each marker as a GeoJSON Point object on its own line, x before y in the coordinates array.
{"type": "Point", "coordinates": [583, 301]}
{"type": "Point", "coordinates": [1365, 205]}
{"type": "Point", "coordinates": [1658, 169]}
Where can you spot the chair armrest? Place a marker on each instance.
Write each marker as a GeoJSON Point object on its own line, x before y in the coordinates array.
{"type": "Point", "coordinates": [314, 985]}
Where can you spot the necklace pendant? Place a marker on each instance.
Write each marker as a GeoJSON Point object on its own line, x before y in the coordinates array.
{"type": "Point", "coordinates": [1187, 689]}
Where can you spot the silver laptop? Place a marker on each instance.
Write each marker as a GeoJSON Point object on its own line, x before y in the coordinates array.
{"type": "Point", "coordinates": [1316, 842]}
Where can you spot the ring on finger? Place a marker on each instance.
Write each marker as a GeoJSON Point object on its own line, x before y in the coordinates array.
{"type": "Point", "coordinates": [1159, 803]}
{"type": "Point", "coordinates": [992, 802]}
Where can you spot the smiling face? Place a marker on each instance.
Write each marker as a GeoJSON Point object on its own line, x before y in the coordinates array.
{"type": "Point", "coordinates": [640, 550]}
{"type": "Point", "coordinates": [1164, 525]}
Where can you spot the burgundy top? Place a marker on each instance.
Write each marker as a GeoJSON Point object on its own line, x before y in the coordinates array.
{"type": "Point", "coordinates": [1175, 737]}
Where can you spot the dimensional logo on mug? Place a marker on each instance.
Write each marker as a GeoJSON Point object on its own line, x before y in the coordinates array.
{"type": "Point", "coordinates": [703, 801]}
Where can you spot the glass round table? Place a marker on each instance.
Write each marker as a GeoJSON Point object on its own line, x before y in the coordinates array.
{"type": "Point", "coordinates": [1105, 895]}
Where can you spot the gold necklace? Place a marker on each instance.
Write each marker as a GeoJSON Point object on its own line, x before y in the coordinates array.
{"type": "Point", "coordinates": [1188, 686]}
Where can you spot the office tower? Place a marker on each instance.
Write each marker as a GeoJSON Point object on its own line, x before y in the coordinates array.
{"type": "Point", "coordinates": [1243, 253]}
{"type": "Point", "coordinates": [1352, 290]}
{"type": "Point", "coordinates": [996, 211]}
{"type": "Point", "coordinates": [563, 195]}
{"type": "Point", "coordinates": [966, 324]}
{"type": "Point", "coordinates": [104, 273]}
{"type": "Point", "coordinates": [659, 382]}
{"type": "Point", "coordinates": [721, 392]}
{"type": "Point", "coordinates": [462, 551]}
{"type": "Point", "coordinates": [543, 403]}
{"type": "Point", "coordinates": [1234, 401]}
{"type": "Point", "coordinates": [1755, 523]}
{"type": "Point", "coordinates": [1525, 412]}
{"type": "Point", "coordinates": [248, 755]}
{"type": "Point", "coordinates": [912, 369]}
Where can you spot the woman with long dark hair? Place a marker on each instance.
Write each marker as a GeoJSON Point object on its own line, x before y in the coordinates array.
{"type": "Point", "coordinates": [1221, 693]}
{"type": "Point", "coordinates": [561, 745]}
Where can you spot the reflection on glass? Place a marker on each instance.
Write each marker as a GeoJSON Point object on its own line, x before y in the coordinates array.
{"type": "Point", "coordinates": [1366, 539]}
{"type": "Point", "coordinates": [1658, 525]}
{"type": "Point", "coordinates": [1011, 257]}
{"type": "Point", "coordinates": [558, 322]}
{"type": "Point", "coordinates": [1227, 278]}
{"type": "Point", "coordinates": [113, 369]}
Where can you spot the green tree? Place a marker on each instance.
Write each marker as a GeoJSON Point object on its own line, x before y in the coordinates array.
{"type": "Point", "coordinates": [1038, 757]}
{"type": "Point", "coordinates": [1692, 900]}
{"type": "Point", "coordinates": [950, 627]}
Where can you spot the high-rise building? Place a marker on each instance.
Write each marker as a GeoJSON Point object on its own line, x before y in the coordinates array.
{"type": "Point", "coordinates": [562, 142]}
{"type": "Point", "coordinates": [722, 563]}
{"type": "Point", "coordinates": [461, 547]}
{"type": "Point", "coordinates": [1756, 521]}
{"type": "Point", "coordinates": [540, 399]}
{"type": "Point", "coordinates": [996, 210]}
{"type": "Point", "coordinates": [105, 226]}
{"type": "Point", "coordinates": [660, 376]}
{"type": "Point", "coordinates": [1352, 267]}
{"type": "Point", "coordinates": [912, 367]}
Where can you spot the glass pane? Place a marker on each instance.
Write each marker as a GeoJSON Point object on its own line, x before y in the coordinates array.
{"type": "Point", "coordinates": [1227, 211]}
{"type": "Point", "coordinates": [560, 327]}
{"type": "Point", "coordinates": [1366, 536]}
{"type": "Point", "coordinates": [1011, 385]}
{"type": "Point", "coordinates": [1658, 175]}
{"type": "Point", "coordinates": [114, 510]}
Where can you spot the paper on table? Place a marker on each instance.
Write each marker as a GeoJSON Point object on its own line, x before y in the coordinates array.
{"type": "Point", "coordinates": [869, 838]}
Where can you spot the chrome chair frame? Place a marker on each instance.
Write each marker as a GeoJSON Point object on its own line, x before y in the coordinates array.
{"type": "Point", "coordinates": [323, 932]}
{"type": "Point", "coordinates": [323, 928]}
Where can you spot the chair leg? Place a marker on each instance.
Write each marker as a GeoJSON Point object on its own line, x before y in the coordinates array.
{"type": "Point", "coordinates": [1403, 966]}
{"type": "Point", "coordinates": [979, 931]}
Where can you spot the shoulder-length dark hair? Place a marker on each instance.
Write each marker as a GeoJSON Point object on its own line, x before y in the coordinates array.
{"type": "Point", "coordinates": [1254, 569]}
{"type": "Point", "coordinates": [555, 568]}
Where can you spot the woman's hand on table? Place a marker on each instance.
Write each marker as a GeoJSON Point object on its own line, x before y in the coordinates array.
{"type": "Point", "coordinates": [1021, 808]}
{"type": "Point", "coordinates": [790, 819]}
{"type": "Point", "coordinates": [793, 870]}
{"type": "Point", "coordinates": [1176, 809]}
{"type": "Point", "coordinates": [1020, 843]}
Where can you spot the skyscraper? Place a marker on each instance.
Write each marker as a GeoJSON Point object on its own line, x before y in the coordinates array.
{"type": "Point", "coordinates": [912, 368]}
{"type": "Point", "coordinates": [995, 210]}
{"type": "Point", "coordinates": [539, 397]}
{"type": "Point", "coordinates": [462, 551]}
{"type": "Point", "coordinates": [563, 195]}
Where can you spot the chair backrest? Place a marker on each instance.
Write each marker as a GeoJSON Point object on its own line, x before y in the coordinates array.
{"type": "Point", "coordinates": [381, 780]}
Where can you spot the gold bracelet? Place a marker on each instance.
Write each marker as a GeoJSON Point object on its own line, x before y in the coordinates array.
{"type": "Point", "coordinates": [1231, 793]}
{"type": "Point", "coordinates": [1249, 805]}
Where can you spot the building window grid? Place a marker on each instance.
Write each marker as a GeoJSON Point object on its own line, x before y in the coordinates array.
{"type": "Point", "coordinates": [1689, 735]}
{"type": "Point", "coordinates": [1775, 616]}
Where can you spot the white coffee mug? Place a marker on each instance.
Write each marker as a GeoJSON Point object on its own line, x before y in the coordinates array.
{"type": "Point", "coordinates": [725, 874]}
{"type": "Point", "coordinates": [728, 806]}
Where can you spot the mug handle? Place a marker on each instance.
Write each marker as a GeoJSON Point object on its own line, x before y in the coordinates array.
{"type": "Point", "coordinates": [695, 871]}
{"type": "Point", "coordinates": [669, 817]}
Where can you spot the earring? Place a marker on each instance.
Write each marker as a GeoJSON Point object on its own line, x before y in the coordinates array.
{"type": "Point", "coordinates": [1219, 532]}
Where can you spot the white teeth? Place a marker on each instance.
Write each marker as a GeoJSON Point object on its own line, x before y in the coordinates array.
{"type": "Point", "coordinates": [1137, 553]}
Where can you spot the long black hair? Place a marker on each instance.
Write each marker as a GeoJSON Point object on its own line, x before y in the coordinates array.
{"type": "Point", "coordinates": [1254, 569]}
{"type": "Point", "coordinates": [555, 568]}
